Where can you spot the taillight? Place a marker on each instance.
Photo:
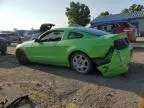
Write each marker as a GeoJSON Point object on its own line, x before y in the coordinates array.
{"type": "Point", "coordinates": [127, 40]}
{"type": "Point", "coordinates": [121, 43]}
{"type": "Point", "coordinates": [117, 45]}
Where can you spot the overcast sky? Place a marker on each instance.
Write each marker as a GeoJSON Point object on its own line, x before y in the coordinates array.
{"type": "Point", "coordinates": [25, 14]}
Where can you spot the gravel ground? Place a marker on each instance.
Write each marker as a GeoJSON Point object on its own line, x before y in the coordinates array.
{"type": "Point", "coordinates": [59, 87]}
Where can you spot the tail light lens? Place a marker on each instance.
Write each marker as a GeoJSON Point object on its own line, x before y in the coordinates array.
{"type": "Point", "coordinates": [117, 45]}
{"type": "Point", "coordinates": [121, 43]}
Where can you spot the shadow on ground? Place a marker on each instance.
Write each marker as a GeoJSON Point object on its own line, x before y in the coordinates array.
{"type": "Point", "coordinates": [138, 49]}
{"type": "Point", "coordinates": [8, 61]}
{"type": "Point", "coordinates": [138, 46]}
{"type": "Point", "coordinates": [133, 81]}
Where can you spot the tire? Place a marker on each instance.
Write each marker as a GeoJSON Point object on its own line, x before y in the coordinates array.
{"type": "Point", "coordinates": [4, 49]}
{"type": "Point", "coordinates": [81, 63]}
{"type": "Point", "coordinates": [9, 44]}
{"type": "Point", "coordinates": [22, 59]}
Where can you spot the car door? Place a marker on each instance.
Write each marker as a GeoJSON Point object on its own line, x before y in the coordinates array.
{"type": "Point", "coordinates": [45, 49]}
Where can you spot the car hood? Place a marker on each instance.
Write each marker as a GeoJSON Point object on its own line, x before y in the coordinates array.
{"type": "Point", "coordinates": [25, 44]}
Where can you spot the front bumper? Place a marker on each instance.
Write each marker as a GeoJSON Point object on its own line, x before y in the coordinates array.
{"type": "Point", "coordinates": [118, 63]}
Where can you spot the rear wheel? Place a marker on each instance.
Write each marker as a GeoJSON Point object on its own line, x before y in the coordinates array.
{"type": "Point", "coordinates": [22, 59]}
{"type": "Point", "coordinates": [81, 63]}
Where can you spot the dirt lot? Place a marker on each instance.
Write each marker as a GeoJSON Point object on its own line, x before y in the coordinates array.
{"type": "Point", "coordinates": [59, 87]}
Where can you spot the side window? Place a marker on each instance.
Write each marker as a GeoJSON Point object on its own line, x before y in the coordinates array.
{"type": "Point", "coordinates": [52, 36]}
{"type": "Point", "coordinates": [74, 35]}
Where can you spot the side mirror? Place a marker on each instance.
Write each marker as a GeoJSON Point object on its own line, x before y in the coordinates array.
{"type": "Point", "coordinates": [37, 40]}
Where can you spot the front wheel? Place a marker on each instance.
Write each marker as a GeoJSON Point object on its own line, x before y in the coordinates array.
{"type": "Point", "coordinates": [22, 59]}
{"type": "Point", "coordinates": [81, 63]}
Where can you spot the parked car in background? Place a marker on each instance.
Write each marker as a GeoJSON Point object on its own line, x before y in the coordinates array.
{"type": "Point", "coordinates": [6, 40]}
{"type": "Point", "coordinates": [79, 48]}
{"type": "Point", "coordinates": [118, 27]}
{"type": "Point", "coordinates": [10, 37]}
{"type": "Point", "coordinates": [35, 36]}
{"type": "Point", "coordinates": [46, 26]}
{"type": "Point", "coordinates": [28, 34]}
{"type": "Point", "coordinates": [32, 34]}
{"type": "Point", "coordinates": [3, 46]}
{"type": "Point", "coordinates": [6, 37]}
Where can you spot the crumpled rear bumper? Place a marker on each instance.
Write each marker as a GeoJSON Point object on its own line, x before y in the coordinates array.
{"type": "Point", "coordinates": [118, 64]}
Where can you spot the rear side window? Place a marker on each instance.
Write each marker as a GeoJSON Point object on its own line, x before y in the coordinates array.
{"type": "Point", "coordinates": [74, 35]}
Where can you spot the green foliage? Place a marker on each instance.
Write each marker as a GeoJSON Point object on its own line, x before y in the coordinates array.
{"type": "Point", "coordinates": [104, 13]}
{"type": "Point", "coordinates": [136, 7]}
{"type": "Point", "coordinates": [125, 10]}
{"type": "Point", "coordinates": [133, 8]}
{"type": "Point", "coordinates": [78, 13]}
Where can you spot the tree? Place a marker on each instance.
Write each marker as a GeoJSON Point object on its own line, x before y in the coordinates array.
{"type": "Point", "coordinates": [136, 7]}
{"type": "Point", "coordinates": [78, 14]}
{"type": "Point", "coordinates": [133, 8]}
{"type": "Point", "coordinates": [106, 13]}
{"type": "Point", "coordinates": [125, 10]}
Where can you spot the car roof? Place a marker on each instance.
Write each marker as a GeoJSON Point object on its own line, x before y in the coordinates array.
{"type": "Point", "coordinates": [62, 28]}
{"type": "Point", "coordinates": [86, 30]}
{"type": "Point", "coordinates": [74, 28]}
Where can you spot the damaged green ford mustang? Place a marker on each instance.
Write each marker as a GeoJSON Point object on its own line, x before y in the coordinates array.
{"type": "Point", "coordinates": [79, 48]}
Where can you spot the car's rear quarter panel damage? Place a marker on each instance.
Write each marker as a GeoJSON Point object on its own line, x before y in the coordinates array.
{"type": "Point", "coordinates": [119, 61]}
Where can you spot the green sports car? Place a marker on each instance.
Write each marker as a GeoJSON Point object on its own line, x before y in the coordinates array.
{"type": "Point", "coordinates": [79, 48]}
